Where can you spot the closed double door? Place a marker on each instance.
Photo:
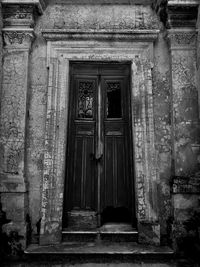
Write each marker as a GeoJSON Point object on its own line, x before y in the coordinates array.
{"type": "Point", "coordinates": [99, 171]}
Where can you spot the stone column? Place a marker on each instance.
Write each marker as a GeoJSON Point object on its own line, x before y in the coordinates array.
{"type": "Point", "coordinates": [18, 34]}
{"type": "Point", "coordinates": [182, 37]}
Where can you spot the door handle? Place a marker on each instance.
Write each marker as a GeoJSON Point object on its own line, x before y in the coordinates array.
{"type": "Point", "coordinates": [99, 157]}
{"type": "Point", "coordinates": [96, 158]}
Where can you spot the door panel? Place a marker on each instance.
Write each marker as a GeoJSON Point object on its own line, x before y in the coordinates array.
{"type": "Point", "coordinates": [81, 174]}
{"type": "Point", "coordinates": [115, 190]}
{"type": "Point", "coordinates": [98, 154]}
{"type": "Point", "coordinates": [83, 187]}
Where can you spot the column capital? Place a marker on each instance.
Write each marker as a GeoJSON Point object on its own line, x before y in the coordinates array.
{"type": "Point", "coordinates": [18, 38]}
{"type": "Point", "coordinates": [182, 38]}
{"type": "Point", "coordinates": [19, 21]}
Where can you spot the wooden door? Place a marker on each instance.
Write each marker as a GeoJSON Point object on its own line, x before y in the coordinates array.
{"type": "Point", "coordinates": [99, 156]}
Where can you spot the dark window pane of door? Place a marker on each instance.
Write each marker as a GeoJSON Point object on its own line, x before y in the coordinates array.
{"type": "Point", "coordinates": [114, 109]}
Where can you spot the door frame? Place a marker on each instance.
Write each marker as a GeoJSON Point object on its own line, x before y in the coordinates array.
{"type": "Point", "coordinates": [59, 54]}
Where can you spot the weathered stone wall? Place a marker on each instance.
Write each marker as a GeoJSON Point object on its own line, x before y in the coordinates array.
{"type": "Point", "coordinates": [97, 17]}
{"type": "Point", "coordinates": [36, 126]}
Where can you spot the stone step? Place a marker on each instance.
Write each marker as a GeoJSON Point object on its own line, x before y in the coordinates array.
{"type": "Point", "coordinates": [100, 251]}
{"type": "Point", "coordinates": [116, 232]}
{"type": "Point", "coordinates": [89, 236]}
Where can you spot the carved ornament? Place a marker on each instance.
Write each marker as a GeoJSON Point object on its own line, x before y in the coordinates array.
{"type": "Point", "coordinates": [182, 38]}
{"type": "Point", "coordinates": [15, 37]}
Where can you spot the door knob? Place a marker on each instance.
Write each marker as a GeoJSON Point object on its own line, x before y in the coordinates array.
{"type": "Point", "coordinates": [96, 158]}
{"type": "Point", "coordinates": [99, 157]}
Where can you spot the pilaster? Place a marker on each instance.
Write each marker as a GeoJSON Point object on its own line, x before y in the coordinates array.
{"type": "Point", "coordinates": [182, 38]}
{"type": "Point", "coordinates": [18, 34]}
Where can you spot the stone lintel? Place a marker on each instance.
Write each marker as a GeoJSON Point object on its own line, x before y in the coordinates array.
{"type": "Point", "coordinates": [18, 38]}
{"type": "Point", "coordinates": [39, 4]}
{"type": "Point", "coordinates": [137, 35]}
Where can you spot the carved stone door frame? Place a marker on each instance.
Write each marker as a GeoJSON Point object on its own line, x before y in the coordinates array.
{"type": "Point", "coordinates": [137, 48]}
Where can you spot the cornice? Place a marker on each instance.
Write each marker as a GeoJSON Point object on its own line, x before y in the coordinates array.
{"type": "Point", "coordinates": [39, 4]}
{"type": "Point", "coordinates": [139, 35]}
{"type": "Point", "coordinates": [183, 2]}
{"type": "Point", "coordinates": [177, 13]}
{"type": "Point", "coordinates": [105, 2]}
{"type": "Point", "coordinates": [19, 19]}
{"type": "Point", "coordinates": [180, 16]}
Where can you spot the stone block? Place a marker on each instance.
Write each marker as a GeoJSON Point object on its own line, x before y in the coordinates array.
{"type": "Point", "coordinates": [149, 233]}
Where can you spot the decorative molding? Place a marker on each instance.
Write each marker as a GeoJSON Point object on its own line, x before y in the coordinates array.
{"type": "Point", "coordinates": [186, 185]}
{"type": "Point", "coordinates": [97, 2]}
{"type": "Point", "coordinates": [59, 55]}
{"type": "Point", "coordinates": [177, 13]}
{"type": "Point", "coordinates": [143, 35]}
{"type": "Point", "coordinates": [180, 39]}
{"type": "Point", "coordinates": [182, 16]}
{"type": "Point", "coordinates": [18, 15]}
{"type": "Point", "coordinates": [183, 2]}
{"type": "Point", "coordinates": [18, 37]}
